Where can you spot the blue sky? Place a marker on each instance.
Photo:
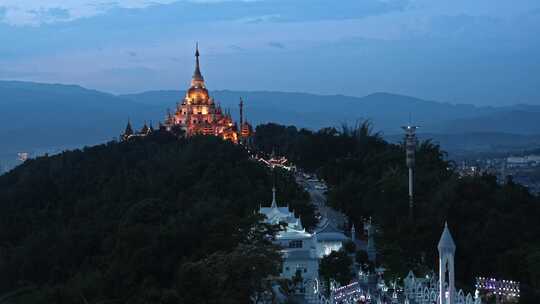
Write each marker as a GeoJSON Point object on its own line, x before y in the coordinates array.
{"type": "Point", "coordinates": [484, 52]}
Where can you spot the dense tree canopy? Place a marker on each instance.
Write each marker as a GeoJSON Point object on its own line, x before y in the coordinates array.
{"type": "Point", "coordinates": [173, 220]}
{"type": "Point", "coordinates": [495, 226]}
{"type": "Point", "coordinates": [336, 266]}
{"type": "Point", "coordinates": [149, 220]}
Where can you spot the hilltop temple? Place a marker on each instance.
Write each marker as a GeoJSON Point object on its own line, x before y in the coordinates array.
{"type": "Point", "coordinates": [199, 114]}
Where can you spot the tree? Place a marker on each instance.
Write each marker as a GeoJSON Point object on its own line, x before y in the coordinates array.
{"type": "Point", "coordinates": [362, 258]}
{"type": "Point", "coordinates": [336, 266]}
{"type": "Point", "coordinates": [350, 247]}
{"type": "Point", "coordinates": [136, 221]}
{"type": "Point", "coordinates": [368, 177]}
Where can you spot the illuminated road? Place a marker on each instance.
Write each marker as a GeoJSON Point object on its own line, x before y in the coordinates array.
{"type": "Point", "coordinates": [329, 216]}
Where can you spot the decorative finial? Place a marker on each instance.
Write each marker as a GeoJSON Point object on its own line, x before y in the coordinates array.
{"type": "Point", "coordinates": [197, 76]}
{"type": "Point", "coordinates": [274, 203]}
{"type": "Point", "coordinates": [241, 115]}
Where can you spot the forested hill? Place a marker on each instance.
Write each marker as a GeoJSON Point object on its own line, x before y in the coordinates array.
{"type": "Point", "coordinates": [155, 220]}
{"type": "Point", "coordinates": [495, 226]}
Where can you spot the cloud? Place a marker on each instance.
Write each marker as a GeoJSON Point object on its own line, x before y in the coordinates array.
{"type": "Point", "coordinates": [261, 19]}
{"type": "Point", "coordinates": [235, 47]}
{"type": "Point", "coordinates": [276, 45]}
{"type": "Point", "coordinates": [15, 74]}
{"type": "Point", "coordinates": [129, 72]}
{"type": "Point", "coordinates": [36, 12]}
{"type": "Point", "coordinates": [417, 47]}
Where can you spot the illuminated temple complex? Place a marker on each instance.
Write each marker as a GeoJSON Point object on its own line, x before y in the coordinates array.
{"type": "Point", "coordinates": [199, 114]}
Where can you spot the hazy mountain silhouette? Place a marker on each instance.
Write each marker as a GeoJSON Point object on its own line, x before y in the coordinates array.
{"type": "Point", "coordinates": [52, 114]}
{"type": "Point", "coordinates": [36, 115]}
{"type": "Point", "coordinates": [504, 121]}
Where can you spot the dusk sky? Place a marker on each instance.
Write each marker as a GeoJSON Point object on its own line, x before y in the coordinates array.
{"type": "Point", "coordinates": [485, 52]}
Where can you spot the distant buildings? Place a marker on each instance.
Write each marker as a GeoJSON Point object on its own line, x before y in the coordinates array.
{"type": "Point", "coordinates": [129, 133]}
{"type": "Point", "coordinates": [198, 113]}
{"type": "Point", "coordinates": [524, 170]}
{"type": "Point", "coordinates": [523, 161]}
{"type": "Point", "coordinates": [502, 291]}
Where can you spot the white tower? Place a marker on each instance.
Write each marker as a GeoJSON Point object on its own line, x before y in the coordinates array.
{"type": "Point", "coordinates": [410, 149]}
{"type": "Point", "coordinates": [371, 250]}
{"type": "Point", "coordinates": [447, 250]}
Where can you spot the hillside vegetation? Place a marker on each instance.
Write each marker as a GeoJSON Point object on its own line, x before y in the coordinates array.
{"type": "Point", "coordinates": [156, 220]}
{"type": "Point", "coordinates": [495, 226]}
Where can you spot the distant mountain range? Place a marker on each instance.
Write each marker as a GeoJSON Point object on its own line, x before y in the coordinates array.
{"type": "Point", "coordinates": [39, 116]}
{"type": "Point", "coordinates": [387, 111]}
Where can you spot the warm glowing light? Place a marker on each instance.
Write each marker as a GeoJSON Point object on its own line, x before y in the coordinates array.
{"type": "Point", "coordinates": [198, 114]}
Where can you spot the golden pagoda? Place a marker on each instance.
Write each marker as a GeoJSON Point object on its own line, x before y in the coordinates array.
{"type": "Point", "coordinates": [199, 114]}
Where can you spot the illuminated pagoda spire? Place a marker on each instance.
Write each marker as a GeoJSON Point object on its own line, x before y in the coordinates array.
{"type": "Point", "coordinates": [128, 132]}
{"type": "Point", "coordinates": [199, 114]}
{"type": "Point", "coordinates": [145, 129]}
{"type": "Point", "coordinates": [198, 79]}
{"type": "Point", "coordinates": [129, 129]}
{"type": "Point", "coordinates": [241, 112]}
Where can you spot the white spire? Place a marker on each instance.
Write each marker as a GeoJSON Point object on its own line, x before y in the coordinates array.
{"type": "Point", "coordinates": [446, 243]}
{"type": "Point", "coordinates": [447, 249]}
{"type": "Point", "coordinates": [274, 203]}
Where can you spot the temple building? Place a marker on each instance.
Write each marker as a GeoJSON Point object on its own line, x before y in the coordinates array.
{"type": "Point", "coordinates": [129, 133]}
{"type": "Point", "coordinates": [198, 113]}
{"type": "Point", "coordinates": [301, 250]}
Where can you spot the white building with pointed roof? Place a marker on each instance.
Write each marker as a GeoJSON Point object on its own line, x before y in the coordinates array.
{"type": "Point", "coordinates": [441, 289]}
{"type": "Point", "coordinates": [299, 246]}
{"type": "Point", "coordinates": [301, 249]}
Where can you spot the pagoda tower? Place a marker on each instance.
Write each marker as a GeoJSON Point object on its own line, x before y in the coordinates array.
{"type": "Point", "coordinates": [198, 114]}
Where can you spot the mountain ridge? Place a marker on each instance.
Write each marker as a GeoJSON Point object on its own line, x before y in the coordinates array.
{"type": "Point", "coordinates": [46, 117]}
